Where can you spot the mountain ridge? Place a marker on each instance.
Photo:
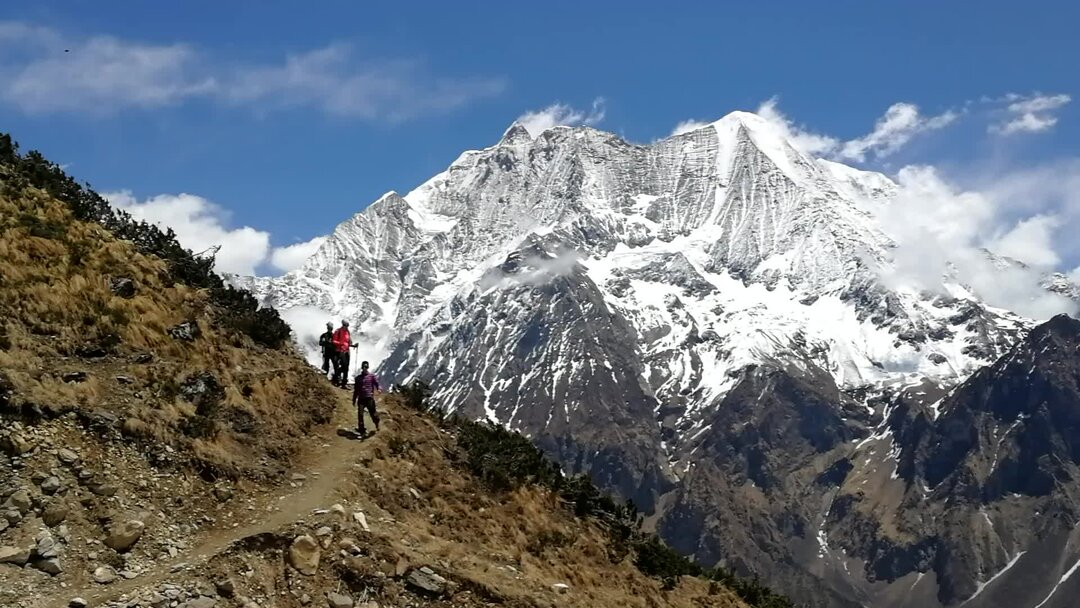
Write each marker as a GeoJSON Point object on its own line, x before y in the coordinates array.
{"type": "Point", "coordinates": [608, 299]}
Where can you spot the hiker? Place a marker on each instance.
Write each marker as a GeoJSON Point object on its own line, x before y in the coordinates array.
{"type": "Point", "coordinates": [364, 389]}
{"type": "Point", "coordinates": [342, 342]}
{"type": "Point", "coordinates": [326, 345]}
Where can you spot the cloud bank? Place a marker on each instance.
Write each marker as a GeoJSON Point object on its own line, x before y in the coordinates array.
{"type": "Point", "coordinates": [46, 71]}
{"type": "Point", "coordinates": [203, 226]}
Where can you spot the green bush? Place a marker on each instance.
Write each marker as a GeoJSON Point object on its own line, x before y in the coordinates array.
{"type": "Point", "coordinates": [237, 309]}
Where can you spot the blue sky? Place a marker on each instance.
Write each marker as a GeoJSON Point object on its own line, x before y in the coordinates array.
{"type": "Point", "coordinates": [289, 118]}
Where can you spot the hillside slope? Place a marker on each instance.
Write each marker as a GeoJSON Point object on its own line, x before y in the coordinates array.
{"type": "Point", "coordinates": [159, 447]}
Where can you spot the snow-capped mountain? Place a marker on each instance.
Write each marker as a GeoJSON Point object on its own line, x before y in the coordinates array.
{"type": "Point", "coordinates": [699, 323]}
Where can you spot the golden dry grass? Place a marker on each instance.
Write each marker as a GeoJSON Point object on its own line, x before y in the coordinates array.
{"type": "Point", "coordinates": [57, 307]}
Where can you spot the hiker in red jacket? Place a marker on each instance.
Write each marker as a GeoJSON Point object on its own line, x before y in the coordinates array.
{"type": "Point", "coordinates": [364, 389]}
{"type": "Point", "coordinates": [342, 342]}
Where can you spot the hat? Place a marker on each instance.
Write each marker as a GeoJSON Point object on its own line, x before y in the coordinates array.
{"type": "Point", "coordinates": [344, 322]}
{"type": "Point", "coordinates": [329, 325]}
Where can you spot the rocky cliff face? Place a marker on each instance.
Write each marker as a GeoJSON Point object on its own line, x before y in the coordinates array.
{"type": "Point", "coordinates": [700, 325]}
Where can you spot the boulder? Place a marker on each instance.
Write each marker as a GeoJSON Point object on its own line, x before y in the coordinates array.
{"type": "Point", "coordinates": [50, 566]}
{"type": "Point", "coordinates": [46, 547]}
{"type": "Point", "coordinates": [20, 501]}
{"type": "Point", "coordinates": [15, 444]}
{"type": "Point", "coordinates": [186, 331]}
{"type": "Point", "coordinates": [51, 485]}
{"type": "Point", "coordinates": [55, 511]}
{"type": "Point", "coordinates": [102, 488]}
{"type": "Point", "coordinates": [124, 535]}
{"type": "Point", "coordinates": [337, 600]}
{"type": "Point", "coordinates": [105, 575]}
{"type": "Point", "coordinates": [225, 587]}
{"type": "Point", "coordinates": [426, 581]}
{"type": "Point", "coordinates": [14, 555]}
{"type": "Point", "coordinates": [123, 287]}
{"type": "Point", "coordinates": [78, 602]}
{"type": "Point", "coordinates": [304, 555]}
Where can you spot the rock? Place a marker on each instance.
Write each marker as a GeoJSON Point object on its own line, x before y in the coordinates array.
{"type": "Point", "coordinates": [20, 501]}
{"type": "Point", "coordinates": [50, 566]}
{"type": "Point", "coordinates": [223, 493]}
{"type": "Point", "coordinates": [426, 581]}
{"type": "Point", "coordinates": [14, 555]}
{"type": "Point", "coordinates": [338, 511]}
{"type": "Point", "coordinates": [3, 523]}
{"type": "Point", "coordinates": [560, 588]}
{"type": "Point", "coordinates": [401, 567]}
{"type": "Point", "coordinates": [77, 602]}
{"type": "Point", "coordinates": [128, 574]}
{"type": "Point", "coordinates": [12, 516]}
{"type": "Point", "coordinates": [105, 575]}
{"type": "Point", "coordinates": [324, 531]}
{"type": "Point", "coordinates": [124, 535]}
{"type": "Point", "coordinates": [51, 485]}
{"type": "Point", "coordinates": [55, 511]}
{"type": "Point", "coordinates": [415, 493]}
{"type": "Point", "coordinates": [199, 602]}
{"type": "Point", "coordinates": [46, 547]}
{"type": "Point", "coordinates": [205, 588]}
{"type": "Point", "coordinates": [15, 444]}
{"type": "Point", "coordinates": [298, 477]}
{"type": "Point", "coordinates": [304, 555]}
{"type": "Point", "coordinates": [187, 331]}
{"type": "Point", "coordinates": [74, 377]}
{"type": "Point", "coordinates": [225, 587]}
{"type": "Point", "coordinates": [143, 358]}
{"type": "Point", "coordinates": [66, 456]}
{"type": "Point", "coordinates": [125, 379]}
{"type": "Point", "coordinates": [337, 600]}
{"type": "Point", "coordinates": [123, 287]}
{"type": "Point", "coordinates": [102, 419]}
{"type": "Point", "coordinates": [361, 519]}
{"type": "Point", "coordinates": [102, 488]}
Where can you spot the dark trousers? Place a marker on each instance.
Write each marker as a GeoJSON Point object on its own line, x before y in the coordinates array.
{"type": "Point", "coordinates": [341, 369]}
{"type": "Point", "coordinates": [366, 403]}
{"type": "Point", "coordinates": [327, 360]}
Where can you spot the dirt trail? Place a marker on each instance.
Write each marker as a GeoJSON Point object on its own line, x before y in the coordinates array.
{"type": "Point", "coordinates": [324, 467]}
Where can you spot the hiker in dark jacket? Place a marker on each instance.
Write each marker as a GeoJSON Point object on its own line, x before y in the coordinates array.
{"type": "Point", "coordinates": [326, 346]}
{"type": "Point", "coordinates": [364, 389]}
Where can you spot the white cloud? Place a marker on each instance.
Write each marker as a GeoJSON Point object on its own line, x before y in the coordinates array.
{"type": "Point", "coordinates": [687, 126]}
{"type": "Point", "coordinates": [1029, 114]}
{"type": "Point", "coordinates": [292, 257]}
{"type": "Point", "coordinates": [1030, 240]}
{"type": "Point", "coordinates": [200, 226]}
{"type": "Point", "coordinates": [942, 230]}
{"type": "Point", "coordinates": [560, 114]}
{"type": "Point", "coordinates": [901, 122]}
{"type": "Point", "coordinates": [46, 71]}
{"type": "Point", "coordinates": [811, 143]}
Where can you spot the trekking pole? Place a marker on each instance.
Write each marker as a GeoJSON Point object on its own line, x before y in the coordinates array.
{"type": "Point", "coordinates": [352, 362]}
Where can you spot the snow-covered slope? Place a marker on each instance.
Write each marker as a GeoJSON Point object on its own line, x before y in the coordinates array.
{"type": "Point", "coordinates": [721, 246]}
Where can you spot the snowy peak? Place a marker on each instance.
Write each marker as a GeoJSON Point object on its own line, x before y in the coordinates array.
{"type": "Point", "coordinates": [516, 134]}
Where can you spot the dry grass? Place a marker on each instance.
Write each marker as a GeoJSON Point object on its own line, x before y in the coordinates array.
{"type": "Point", "coordinates": [515, 545]}
{"type": "Point", "coordinates": [59, 314]}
